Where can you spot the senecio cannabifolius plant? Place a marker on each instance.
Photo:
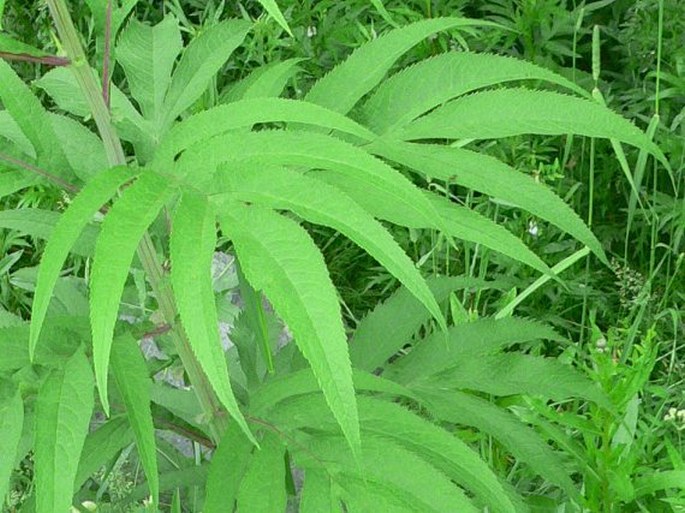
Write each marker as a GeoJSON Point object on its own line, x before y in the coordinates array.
{"type": "Point", "coordinates": [352, 416]}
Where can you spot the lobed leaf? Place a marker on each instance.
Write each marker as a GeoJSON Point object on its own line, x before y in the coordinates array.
{"type": "Point", "coordinates": [33, 120]}
{"type": "Point", "coordinates": [513, 374]}
{"type": "Point", "coordinates": [438, 447]}
{"type": "Point", "coordinates": [66, 232]}
{"type": "Point", "coordinates": [386, 463]}
{"type": "Point", "coordinates": [466, 224]}
{"type": "Point", "coordinates": [524, 443]}
{"type": "Point", "coordinates": [466, 342]}
{"type": "Point", "coordinates": [84, 150]}
{"type": "Point", "coordinates": [431, 82]}
{"type": "Point", "coordinates": [202, 127]}
{"type": "Point", "coordinates": [508, 112]}
{"type": "Point", "coordinates": [314, 151]}
{"type": "Point", "coordinates": [303, 382]}
{"type": "Point", "coordinates": [200, 61]}
{"type": "Point", "coordinates": [319, 203]}
{"type": "Point", "coordinates": [131, 376]}
{"type": "Point", "coordinates": [300, 289]}
{"type": "Point", "coordinates": [63, 409]}
{"type": "Point", "coordinates": [385, 330]}
{"type": "Point", "coordinates": [266, 81]}
{"type": "Point", "coordinates": [147, 55]}
{"type": "Point", "coordinates": [193, 240]}
{"type": "Point", "coordinates": [490, 176]}
{"type": "Point", "coordinates": [342, 88]}
{"type": "Point", "coordinates": [453, 220]}
{"type": "Point", "coordinates": [121, 231]}
{"type": "Point", "coordinates": [60, 83]}
{"type": "Point", "coordinates": [389, 421]}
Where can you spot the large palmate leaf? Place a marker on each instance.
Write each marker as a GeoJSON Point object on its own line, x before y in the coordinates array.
{"type": "Point", "coordinates": [147, 55]}
{"type": "Point", "coordinates": [365, 68]}
{"type": "Point", "coordinates": [193, 240]}
{"type": "Point", "coordinates": [121, 231]}
{"type": "Point", "coordinates": [130, 374]}
{"type": "Point", "coordinates": [320, 203]}
{"type": "Point", "coordinates": [419, 88]}
{"type": "Point", "coordinates": [63, 409]}
{"type": "Point", "coordinates": [200, 61]}
{"type": "Point", "coordinates": [300, 289]}
{"type": "Point", "coordinates": [67, 231]}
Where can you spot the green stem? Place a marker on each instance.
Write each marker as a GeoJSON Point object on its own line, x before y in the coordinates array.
{"type": "Point", "coordinates": [85, 76]}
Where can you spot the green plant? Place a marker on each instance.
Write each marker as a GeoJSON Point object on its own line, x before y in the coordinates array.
{"type": "Point", "coordinates": [160, 173]}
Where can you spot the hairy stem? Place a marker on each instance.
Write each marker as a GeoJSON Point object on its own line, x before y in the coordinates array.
{"type": "Point", "coordinates": [85, 76]}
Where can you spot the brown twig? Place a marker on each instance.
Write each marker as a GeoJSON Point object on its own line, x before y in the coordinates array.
{"type": "Point", "coordinates": [49, 60]}
{"type": "Point", "coordinates": [159, 330]}
{"type": "Point", "coordinates": [107, 52]}
{"type": "Point", "coordinates": [42, 172]}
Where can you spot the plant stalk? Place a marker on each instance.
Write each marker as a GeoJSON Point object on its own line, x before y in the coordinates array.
{"type": "Point", "coordinates": [216, 415]}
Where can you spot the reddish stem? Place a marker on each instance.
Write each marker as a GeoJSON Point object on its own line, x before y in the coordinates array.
{"type": "Point", "coordinates": [107, 51]}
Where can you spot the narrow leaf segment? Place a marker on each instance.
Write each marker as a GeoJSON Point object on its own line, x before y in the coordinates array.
{"type": "Point", "coordinates": [193, 241]}
{"type": "Point", "coordinates": [121, 231]}
{"type": "Point", "coordinates": [302, 293]}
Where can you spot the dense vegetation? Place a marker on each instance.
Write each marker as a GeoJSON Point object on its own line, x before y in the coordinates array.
{"type": "Point", "coordinates": [385, 256]}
